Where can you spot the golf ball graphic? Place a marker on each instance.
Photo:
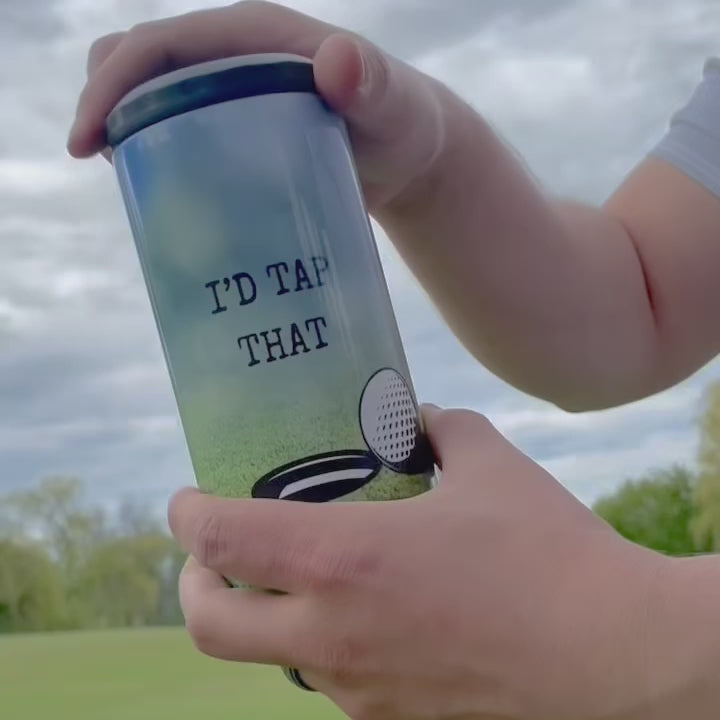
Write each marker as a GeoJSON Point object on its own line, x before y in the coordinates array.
{"type": "Point", "coordinates": [389, 420]}
{"type": "Point", "coordinates": [390, 426]}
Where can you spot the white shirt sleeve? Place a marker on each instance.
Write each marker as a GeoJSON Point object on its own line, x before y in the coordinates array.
{"type": "Point", "coordinates": [692, 143]}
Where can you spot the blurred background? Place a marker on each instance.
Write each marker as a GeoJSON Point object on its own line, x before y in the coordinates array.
{"type": "Point", "coordinates": [90, 442]}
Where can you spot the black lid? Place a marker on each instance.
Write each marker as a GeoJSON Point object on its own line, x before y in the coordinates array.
{"type": "Point", "coordinates": [205, 84]}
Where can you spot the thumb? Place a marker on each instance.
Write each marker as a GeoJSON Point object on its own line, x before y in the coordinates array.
{"type": "Point", "coordinates": [461, 439]}
{"type": "Point", "coordinates": [393, 111]}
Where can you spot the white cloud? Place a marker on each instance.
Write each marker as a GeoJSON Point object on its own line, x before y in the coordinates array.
{"type": "Point", "coordinates": [83, 387]}
{"type": "Point", "coordinates": [593, 474]}
{"type": "Point", "coordinates": [32, 177]}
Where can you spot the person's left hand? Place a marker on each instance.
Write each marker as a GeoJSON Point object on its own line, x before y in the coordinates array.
{"type": "Point", "coordinates": [495, 595]}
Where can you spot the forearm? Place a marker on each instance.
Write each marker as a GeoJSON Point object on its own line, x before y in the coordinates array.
{"type": "Point", "coordinates": [549, 295]}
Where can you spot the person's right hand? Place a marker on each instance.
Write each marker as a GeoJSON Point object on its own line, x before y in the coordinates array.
{"type": "Point", "coordinates": [394, 112]}
{"type": "Point", "coordinates": [495, 595]}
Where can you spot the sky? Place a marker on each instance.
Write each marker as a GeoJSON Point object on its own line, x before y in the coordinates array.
{"type": "Point", "coordinates": [582, 90]}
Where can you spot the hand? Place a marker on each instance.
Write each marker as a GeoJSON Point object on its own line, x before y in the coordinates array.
{"type": "Point", "coordinates": [496, 595]}
{"type": "Point", "coordinates": [393, 111]}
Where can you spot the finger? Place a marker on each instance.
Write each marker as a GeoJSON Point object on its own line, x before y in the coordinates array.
{"type": "Point", "coordinates": [241, 625]}
{"type": "Point", "coordinates": [279, 544]}
{"type": "Point", "coordinates": [462, 439]}
{"type": "Point", "coordinates": [153, 48]}
{"type": "Point", "coordinates": [101, 49]}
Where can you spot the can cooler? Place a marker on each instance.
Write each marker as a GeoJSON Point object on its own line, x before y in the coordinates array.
{"type": "Point", "coordinates": [266, 285]}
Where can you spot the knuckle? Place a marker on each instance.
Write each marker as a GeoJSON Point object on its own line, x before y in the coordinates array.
{"type": "Point", "coordinates": [143, 30]}
{"type": "Point", "coordinates": [100, 47]}
{"type": "Point", "coordinates": [212, 541]}
{"type": "Point", "coordinates": [200, 631]}
{"type": "Point", "coordinates": [465, 415]}
{"type": "Point", "coordinates": [336, 568]}
{"type": "Point", "coordinates": [461, 417]}
{"type": "Point", "coordinates": [340, 657]}
{"type": "Point", "coordinates": [256, 9]}
{"type": "Point", "coordinates": [260, 13]}
{"type": "Point", "coordinates": [138, 38]}
{"type": "Point", "coordinates": [97, 44]}
{"type": "Point", "coordinates": [255, 6]}
{"type": "Point", "coordinates": [150, 38]}
{"type": "Point", "coordinates": [366, 707]}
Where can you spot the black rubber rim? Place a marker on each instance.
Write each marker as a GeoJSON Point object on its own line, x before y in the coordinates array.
{"type": "Point", "coordinates": [197, 92]}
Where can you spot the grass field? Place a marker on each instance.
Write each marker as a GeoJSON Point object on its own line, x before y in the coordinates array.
{"type": "Point", "coordinates": [139, 675]}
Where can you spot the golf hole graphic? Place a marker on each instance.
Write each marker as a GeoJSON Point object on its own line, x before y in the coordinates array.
{"type": "Point", "coordinates": [390, 427]}
{"type": "Point", "coordinates": [319, 478]}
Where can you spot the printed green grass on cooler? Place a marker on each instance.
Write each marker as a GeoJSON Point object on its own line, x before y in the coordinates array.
{"type": "Point", "coordinates": [142, 674]}
{"type": "Point", "coordinates": [231, 455]}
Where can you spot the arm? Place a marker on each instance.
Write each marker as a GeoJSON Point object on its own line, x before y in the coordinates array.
{"type": "Point", "coordinates": [587, 307]}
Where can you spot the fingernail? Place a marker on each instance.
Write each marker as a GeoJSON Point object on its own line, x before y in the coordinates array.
{"type": "Point", "coordinates": [184, 493]}
{"type": "Point", "coordinates": [189, 490]}
{"type": "Point", "coordinates": [429, 409]}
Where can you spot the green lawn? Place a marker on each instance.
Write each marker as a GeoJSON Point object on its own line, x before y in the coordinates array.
{"type": "Point", "coordinates": [139, 675]}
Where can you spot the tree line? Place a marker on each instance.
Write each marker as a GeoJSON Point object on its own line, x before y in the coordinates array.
{"type": "Point", "coordinates": [65, 565]}
{"type": "Point", "coordinates": [675, 510]}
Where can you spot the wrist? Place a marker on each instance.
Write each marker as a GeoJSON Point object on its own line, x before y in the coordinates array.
{"type": "Point", "coordinates": [610, 632]}
{"type": "Point", "coordinates": [683, 640]}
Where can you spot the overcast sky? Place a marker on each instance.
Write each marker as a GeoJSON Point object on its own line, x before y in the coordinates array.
{"type": "Point", "coordinates": [581, 89]}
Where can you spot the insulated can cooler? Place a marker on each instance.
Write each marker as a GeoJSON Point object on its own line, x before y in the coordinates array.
{"type": "Point", "coordinates": [266, 286]}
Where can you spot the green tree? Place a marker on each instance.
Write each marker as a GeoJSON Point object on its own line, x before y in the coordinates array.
{"type": "Point", "coordinates": [168, 607]}
{"type": "Point", "coordinates": [54, 512]}
{"type": "Point", "coordinates": [133, 518]}
{"type": "Point", "coordinates": [64, 564]}
{"type": "Point", "coordinates": [120, 585]}
{"type": "Point", "coordinates": [655, 511]}
{"type": "Point", "coordinates": [707, 523]}
{"type": "Point", "coordinates": [31, 589]}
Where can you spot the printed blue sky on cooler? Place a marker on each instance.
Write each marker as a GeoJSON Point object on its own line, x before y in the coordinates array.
{"type": "Point", "coordinates": [581, 90]}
